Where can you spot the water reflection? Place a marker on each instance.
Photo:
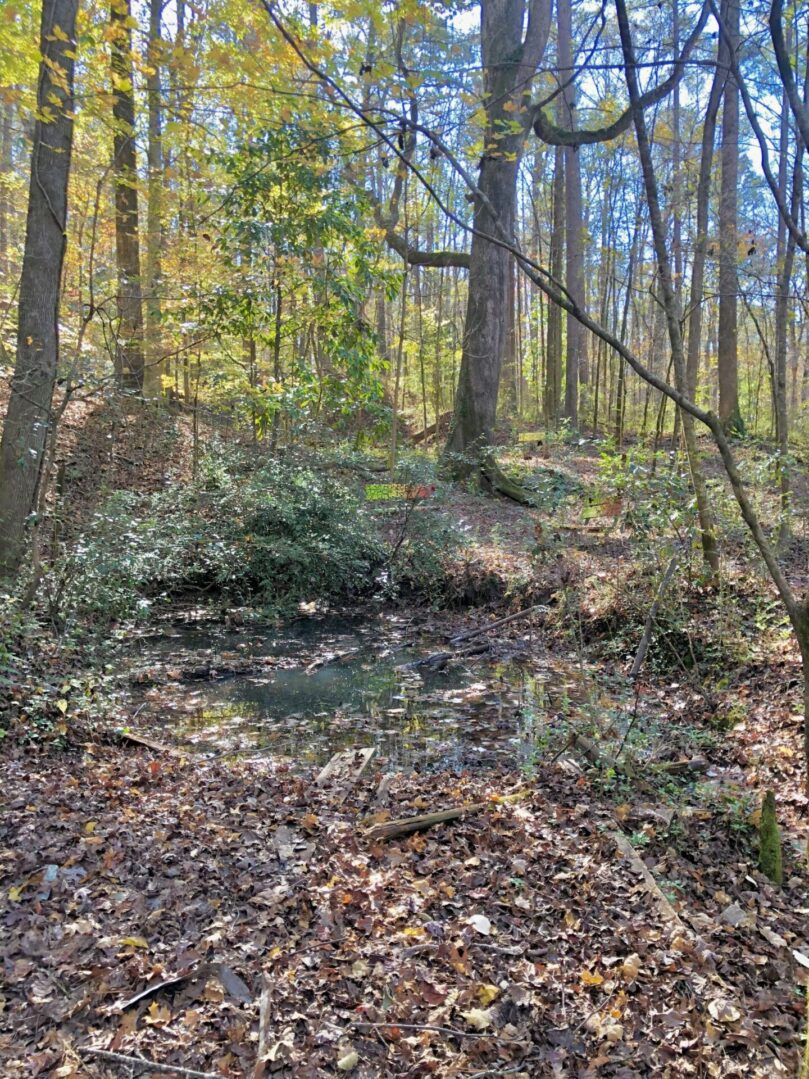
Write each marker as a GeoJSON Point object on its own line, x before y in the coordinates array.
{"type": "Point", "coordinates": [476, 713]}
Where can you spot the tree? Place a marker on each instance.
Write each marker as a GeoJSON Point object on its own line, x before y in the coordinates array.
{"type": "Point", "coordinates": [129, 361]}
{"type": "Point", "coordinates": [513, 35]}
{"type": "Point", "coordinates": [27, 422]}
{"type": "Point", "coordinates": [727, 356]}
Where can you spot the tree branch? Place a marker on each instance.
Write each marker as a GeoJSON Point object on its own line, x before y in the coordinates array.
{"type": "Point", "coordinates": [550, 133]}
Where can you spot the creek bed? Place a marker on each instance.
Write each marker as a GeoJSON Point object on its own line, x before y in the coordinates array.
{"type": "Point", "coordinates": [317, 685]}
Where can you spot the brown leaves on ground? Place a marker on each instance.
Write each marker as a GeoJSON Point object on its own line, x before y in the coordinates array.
{"type": "Point", "coordinates": [515, 939]}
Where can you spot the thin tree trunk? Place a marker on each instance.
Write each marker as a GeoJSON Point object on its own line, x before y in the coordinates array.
{"type": "Point", "coordinates": [728, 358]}
{"type": "Point", "coordinates": [669, 297]}
{"type": "Point", "coordinates": [553, 357]}
{"type": "Point", "coordinates": [129, 345]}
{"type": "Point", "coordinates": [154, 208]}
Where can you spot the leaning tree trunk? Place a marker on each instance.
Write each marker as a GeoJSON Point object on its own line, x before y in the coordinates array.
{"type": "Point", "coordinates": [28, 416]}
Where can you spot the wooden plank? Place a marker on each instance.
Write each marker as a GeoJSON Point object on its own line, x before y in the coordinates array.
{"type": "Point", "coordinates": [346, 766]}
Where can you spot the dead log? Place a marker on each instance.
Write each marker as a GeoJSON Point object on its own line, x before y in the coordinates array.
{"type": "Point", "coordinates": [431, 429]}
{"type": "Point", "coordinates": [405, 825]}
{"type": "Point", "coordinates": [460, 637]}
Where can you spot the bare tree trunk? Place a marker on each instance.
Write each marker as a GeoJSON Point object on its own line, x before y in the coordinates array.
{"type": "Point", "coordinates": [576, 347]}
{"type": "Point", "coordinates": [6, 169]}
{"type": "Point", "coordinates": [511, 48]}
{"type": "Point", "coordinates": [129, 346]}
{"type": "Point", "coordinates": [701, 240]}
{"type": "Point", "coordinates": [728, 358]}
{"type": "Point", "coordinates": [154, 207]}
{"type": "Point", "coordinates": [669, 296]}
{"type": "Point", "coordinates": [28, 417]}
{"type": "Point", "coordinates": [553, 361]}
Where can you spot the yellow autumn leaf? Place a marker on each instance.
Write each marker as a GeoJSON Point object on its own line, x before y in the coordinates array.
{"type": "Point", "coordinates": [134, 942]}
{"type": "Point", "coordinates": [591, 977]}
{"type": "Point", "coordinates": [413, 931]}
{"type": "Point", "coordinates": [90, 827]}
{"type": "Point", "coordinates": [15, 893]}
{"type": "Point", "coordinates": [487, 993]}
{"type": "Point", "coordinates": [158, 1013]}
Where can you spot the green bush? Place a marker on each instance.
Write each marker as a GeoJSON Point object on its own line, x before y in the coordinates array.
{"type": "Point", "coordinates": [276, 537]}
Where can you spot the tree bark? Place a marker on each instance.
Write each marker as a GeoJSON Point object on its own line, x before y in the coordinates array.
{"type": "Point", "coordinates": [129, 365]}
{"type": "Point", "coordinates": [510, 59]}
{"type": "Point", "coordinates": [28, 417]}
{"type": "Point", "coordinates": [553, 363]}
{"type": "Point", "coordinates": [154, 207]}
{"type": "Point", "coordinates": [670, 301]}
{"type": "Point", "coordinates": [727, 358]}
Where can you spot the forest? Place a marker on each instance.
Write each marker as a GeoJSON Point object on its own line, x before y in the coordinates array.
{"type": "Point", "coordinates": [404, 539]}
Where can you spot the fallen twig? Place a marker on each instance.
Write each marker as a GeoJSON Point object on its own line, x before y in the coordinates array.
{"type": "Point", "coordinates": [140, 740]}
{"type": "Point", "coordinates": [437, 1030]}
{"type": "Point", "coordinates": [142, 1063]}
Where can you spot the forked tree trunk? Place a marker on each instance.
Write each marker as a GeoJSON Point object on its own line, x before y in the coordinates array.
{"type": "Point", "coordinates": [28, 417]}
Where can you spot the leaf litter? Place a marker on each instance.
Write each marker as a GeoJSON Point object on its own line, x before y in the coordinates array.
{"type": "Point", "coordinates": [511, 941]}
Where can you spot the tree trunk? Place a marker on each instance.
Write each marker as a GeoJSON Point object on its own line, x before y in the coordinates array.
{"type": "Point", "coordinates": [727, 358]}
{"type": "Point", "coordinates": [28, 416]}
{"type": "Point", "coordinates": [154, 207]}
{"type": "Point", "coordinates": [509, 61]}
{"type": "Point", "coordinates": [576, 347]}
{"type": "Point", "coordinates": [129, 366]}
{"type": "Point", "coordinates": [671, 305]}
{"type": "Point", "coordinates": [553, 364]}
{"type": "Point", "coordinates": [701, 239]}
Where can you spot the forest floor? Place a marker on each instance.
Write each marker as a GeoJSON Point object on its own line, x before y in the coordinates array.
{"type": "Point", "coordinates": [225, 914]}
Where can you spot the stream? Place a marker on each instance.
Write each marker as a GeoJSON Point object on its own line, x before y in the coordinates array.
{"type": "Point", "coordinates": [304, 691]}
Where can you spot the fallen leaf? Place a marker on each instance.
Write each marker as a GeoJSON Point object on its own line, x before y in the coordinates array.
{"type": "Point", "coordinates": [487, 993]}
{"type": "Point", "coordinates": [591, 977]}
{"type": "Point", "coordinates": [478, 1018]}
{"type": "Point", "coordinates": [724, 1011]}
{"type": "Point", "coordinates": [481, 923]}
{"type": "Point", "coordinates": [349, 1061]}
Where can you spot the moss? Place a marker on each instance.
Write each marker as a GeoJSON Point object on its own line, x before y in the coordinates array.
{"type": "Point", "coordinates": [770, 860]}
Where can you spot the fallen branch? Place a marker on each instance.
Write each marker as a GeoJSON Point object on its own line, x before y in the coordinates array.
{"type": "Point", "coordinates": [439, 660]}
{"type": "Point", "coordinates": [392, 1025]}
{"type": "Point", "coordinates": [140, 740]}
{"type": "Point", "coordinates": [141, 1063]}
{"type": "Point", "coordinates": [263, 1029]}
{"type": "Point", "coordinates": [405, 825]}
{"type": "Point", "coordinates": [346, 766]}
{"type": "Point", "coordinates": [500, 622]}
{"type": "Point", "coordinates": [665, 909]}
